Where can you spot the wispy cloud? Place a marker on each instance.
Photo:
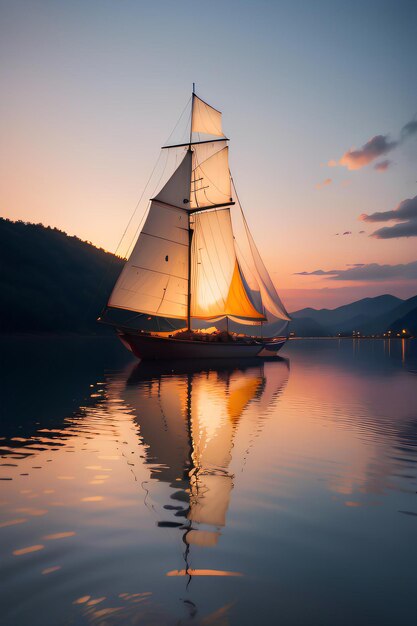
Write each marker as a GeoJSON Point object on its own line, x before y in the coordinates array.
{"type": "Point", "coordinates": [317, 273]}
{"type": "Point", "coordinates": [409, 129]}
{"type": "Point", "coordinates": [377, 146]}
{"type": "Point", "coordinates": [325, 183]}
{"type": "Point", "coordinates": [405, 214]}
{"type": "Point", "coordinates": [382, 166]}
{"type": "Point", "coordinates": [363, 272]}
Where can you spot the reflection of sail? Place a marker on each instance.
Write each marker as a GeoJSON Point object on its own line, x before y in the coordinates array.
{"type": "Point", "coordinates": [214, 417]}
{"type": "Point", "coordinates": [188, 420]}
{"type": "Point", "coordinates": [161, 411]}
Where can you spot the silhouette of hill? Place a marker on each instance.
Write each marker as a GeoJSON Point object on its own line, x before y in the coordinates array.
{"type": "Point", "coordinates": [386, 321]}
{"type": "Point", "coordinates": [408, 322]}
{"type": "Point", "coordinates": [307, 327]}
{"type": "Point", "coordinates": [369, 316]}
{"type": "Point", "coordinates": [350, 317]}
{"type": "Point", "coordinates": [51, 281]}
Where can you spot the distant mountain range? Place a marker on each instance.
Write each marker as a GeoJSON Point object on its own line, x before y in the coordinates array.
{"type": "Point", "coordinates": [51, 282]}
{"type": "Point", "coordinates": [369, 316]}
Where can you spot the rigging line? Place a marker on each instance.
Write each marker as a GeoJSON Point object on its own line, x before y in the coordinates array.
{"type": "Point", "coordinates": [167, 320]}
{"type": "Point", "coordinates": [138, 203]}
{"type": "Point", "coordinates": [163, 297]}
{"type": "Point", "coordinates": [179, 119]}
{"type": "Point", "coordinates": [156, 186]}
{"type": "Point", "coordinates": [133, 239]}
{"type": "Point", "coordinates": [129, 319]}
{"type": "Point", "coordinates": [146, 186]}
{"type": "Point", "coordinates": [106, 275]}
{"type": "Point", "coordinates": [200, 165]}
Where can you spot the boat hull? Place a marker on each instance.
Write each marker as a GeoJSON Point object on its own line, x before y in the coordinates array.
{"type": "Point", "coordinates": [149, 347]}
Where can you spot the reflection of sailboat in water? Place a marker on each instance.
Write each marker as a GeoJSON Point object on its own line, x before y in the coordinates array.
{"type": "Point", "coordinates": [189, 422]}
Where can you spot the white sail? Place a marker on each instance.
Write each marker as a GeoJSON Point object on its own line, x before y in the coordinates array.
{"type": "Point", "coordinates": [210, 183]}
{"type": "Point", "coordinates": [155, 278]}
{"type": "Point", "coordinates": [270, 298]}
{"type": "Point", "coordinates": [217, 289]}
{"type": "Point", "coordinates": [205, 119]}
{"type": "Point", "coordinates": [176, 190]}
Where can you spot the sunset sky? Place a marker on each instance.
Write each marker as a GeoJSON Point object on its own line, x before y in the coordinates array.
{"type": "Point", "coordinates": [319, 100]}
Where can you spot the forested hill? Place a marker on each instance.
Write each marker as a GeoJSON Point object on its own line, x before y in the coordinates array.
{"type": "Point", "coordinates": [50, 281]}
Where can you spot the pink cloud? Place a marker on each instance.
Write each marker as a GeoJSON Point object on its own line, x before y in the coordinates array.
{"type": "Point", "coordinates": [371, 150]}
{"type": "Point", "coordinates": [325, 183]}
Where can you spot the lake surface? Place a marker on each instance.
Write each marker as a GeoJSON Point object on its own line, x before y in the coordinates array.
{"type": "Point", "coordinates": [278, 492]}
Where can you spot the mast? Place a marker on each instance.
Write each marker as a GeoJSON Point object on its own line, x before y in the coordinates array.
{"type": "Point", "coordinates": [190, 231]}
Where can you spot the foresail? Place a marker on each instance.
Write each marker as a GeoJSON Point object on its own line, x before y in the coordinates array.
{"type": "Point", "coordinates": [217, 289]}
{"type": "Point", "coordinates": [238, 302]}
{"type": "Point", "coordinates": [270, 298]}
{"type": "Point", "coordinates": [155, 277]}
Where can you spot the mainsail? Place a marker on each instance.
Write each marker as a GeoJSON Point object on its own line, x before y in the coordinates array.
{"type": "Point", "coordinates": [186, 264]}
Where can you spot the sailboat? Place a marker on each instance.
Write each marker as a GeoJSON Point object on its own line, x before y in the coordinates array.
{"type": "Point", "coordinates": [192, 287]}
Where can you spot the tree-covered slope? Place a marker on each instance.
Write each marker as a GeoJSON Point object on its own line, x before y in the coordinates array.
{"type": "Point", "coordinates": [50, 281]}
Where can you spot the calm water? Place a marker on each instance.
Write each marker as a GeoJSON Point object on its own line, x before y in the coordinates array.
{"type": "Point", "coordinates": [280, 492]}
